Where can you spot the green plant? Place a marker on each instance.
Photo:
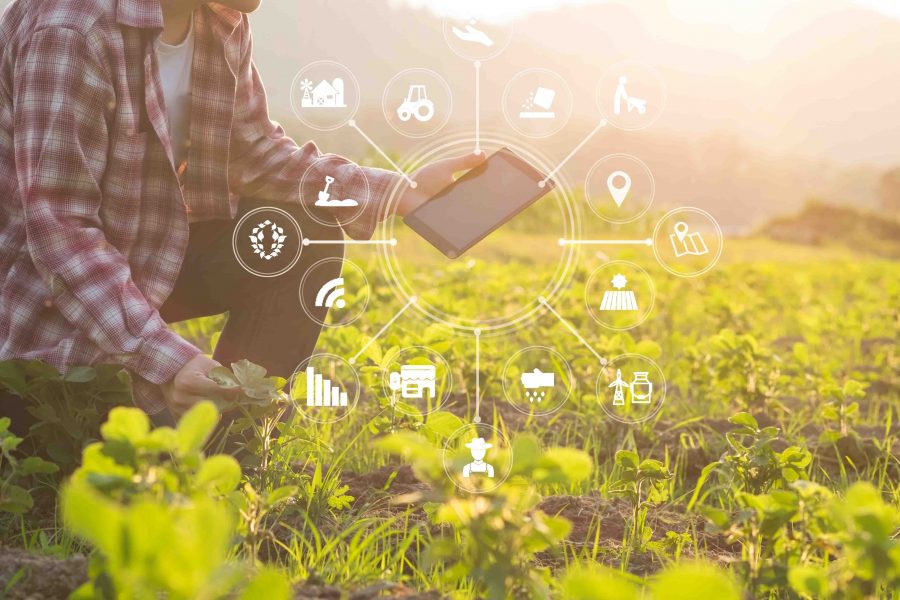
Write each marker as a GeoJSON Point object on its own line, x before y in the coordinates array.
{"type": "Point", "coordinates": [819, 544]}
{"type": "Point", "coordinates": [269, 445]}
{"type": "Point", "coordinates": [17, 473]}
{"type": "Point", "coordinates": [642, 482]}
{"type": "Point", "coordinates": [158, 511]}
{"type": "Point", "coordinates": [494, 536]}
{"type": "Point", "coordinates": [68, 408]}
{"type": "Point", "coordinates": [687, 581]}
{"type": "Point", "coordinates": [752, 460]}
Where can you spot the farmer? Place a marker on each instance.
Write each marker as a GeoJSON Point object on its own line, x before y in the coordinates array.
{"type": "Point", "coordinates": [133, 133]}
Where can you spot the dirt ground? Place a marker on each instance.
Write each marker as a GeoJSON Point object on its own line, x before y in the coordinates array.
{"type": "Point", "coordinates": [27, 576]}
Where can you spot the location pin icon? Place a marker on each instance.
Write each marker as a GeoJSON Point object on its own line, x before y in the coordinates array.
{"type": "Point", "coordinates": [619, 192]}
{"type": "Point", "coordinates": [681, 229]}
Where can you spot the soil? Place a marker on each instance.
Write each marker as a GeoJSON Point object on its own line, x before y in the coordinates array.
{"type": "Point", "coordinates": [36, 577]}
{"type": "Point", "coordinates": [389, 482]}
{"type": "Point", "coordinates": [585, 511]}
{"type": "Point", "coordinates": [49, 578]}
{"type": "Point", "coordinates": [378, 591]}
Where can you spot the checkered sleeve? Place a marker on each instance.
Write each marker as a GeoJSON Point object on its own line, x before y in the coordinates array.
{"type": "Point", "coordinates": [267, 164]}
{"type": "Point", "coordinates": [62, 94]}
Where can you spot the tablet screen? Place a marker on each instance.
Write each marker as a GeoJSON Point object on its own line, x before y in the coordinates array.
{"type": "Point", "coordinates": [478, 203]}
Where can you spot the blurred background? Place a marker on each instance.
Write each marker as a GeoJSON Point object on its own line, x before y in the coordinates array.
{"type": "Point", "coordinates": [770, 103]}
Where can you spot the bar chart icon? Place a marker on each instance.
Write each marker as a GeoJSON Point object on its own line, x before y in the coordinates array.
{"type": "Point", "coordinates": [323, 392]}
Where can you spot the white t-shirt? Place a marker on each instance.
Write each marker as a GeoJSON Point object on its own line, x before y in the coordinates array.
{"type": "Point", "coordinates": [175, 73]}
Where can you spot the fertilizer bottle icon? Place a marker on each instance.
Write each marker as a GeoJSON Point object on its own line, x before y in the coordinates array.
{"type": "Point", "coordinates": [640, 389]}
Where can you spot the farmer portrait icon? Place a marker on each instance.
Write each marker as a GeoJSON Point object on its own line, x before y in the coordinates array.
{"type": "Point", "coordinates": [478, 447]}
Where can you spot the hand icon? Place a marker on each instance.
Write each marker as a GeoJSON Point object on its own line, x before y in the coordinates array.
{"type": "Point", "coordinates": [473, 35]}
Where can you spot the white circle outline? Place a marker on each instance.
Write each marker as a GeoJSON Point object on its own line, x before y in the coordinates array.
{"type": "Point", "coordinates": [596, 166]}
{"type": "Point", "coordinates": [511, 122]}
{"type": "Point", "coordinates": [443, 83]}
{"type": "Point", "coordinates": [351, 405]}
{"type": "Point", "coordinates": [241, 222]}
{"type": "Point", "coordinates": [648, 416]}
{"type": "Point", "coordinates": [509, 31]}
{"type": "Point", "coordinates": [387, 390]}
{"type": "Point", "coordinates": [612, 119]}
{"type": "Point", "coordinates": [719, 234]}
{"type": "Point", "coordinates": [352, 112]}
{"type": "Point", "coordinates": [344, 262]}
{"type": "Point", "coordinates": [497, 481]}
{"type": "Point", "coordinates": [565, 268]}
{"type": "Point", "coordinates": [571, 375]}
{"type": "Point", "coordinates": [590, 280]}
{"type": "Point", "coordinates": [359, 209]}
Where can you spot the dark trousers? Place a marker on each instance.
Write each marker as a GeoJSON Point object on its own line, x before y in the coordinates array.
{"type": "Point", "coordinates": [266, 322]}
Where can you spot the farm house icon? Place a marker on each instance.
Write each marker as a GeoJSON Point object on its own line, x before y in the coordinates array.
{"type": "Point", "coordinates": [414, 380]}
{"type": "Point", "coordinates": [326, 94]}
{"type": "Point", "coordinates": [535, 384]}
{"type": "Point", "coordinates": [478, 447]}
{"type": "Point", "coordinates": [416, 105]}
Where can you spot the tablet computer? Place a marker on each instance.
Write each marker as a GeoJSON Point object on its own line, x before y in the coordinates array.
{"type": "Point", "coordinates": [478, 203]}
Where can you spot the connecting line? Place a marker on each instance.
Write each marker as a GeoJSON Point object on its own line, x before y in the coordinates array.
{"type": "Point", "coordinates": [574, 331]}
{"type": "Point", "coordinates": [372, 143]}
{"type": "Point", "coordinates": [412, 300]}
{"type": "Point", "coordinates": [477, 376]}
{"type": "Point", "coordinates": [647, 242]}
{"type": "Point", "coordinates": [309, 242]}
{"type": "Point", "coordinates": [550, 175]}
{"type": "Point", "coordinates": [477, 64]}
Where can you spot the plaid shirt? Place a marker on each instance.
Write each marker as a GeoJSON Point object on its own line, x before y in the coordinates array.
{"type": "Point", "coordinates": [94, 220]}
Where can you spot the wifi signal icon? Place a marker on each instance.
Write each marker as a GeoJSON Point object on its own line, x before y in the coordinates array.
{"type": "Point", "coordinates": [331, 294]}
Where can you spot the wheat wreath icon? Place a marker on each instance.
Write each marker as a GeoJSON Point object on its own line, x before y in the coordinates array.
{"type": "Point", "coordinates": [272, 248]}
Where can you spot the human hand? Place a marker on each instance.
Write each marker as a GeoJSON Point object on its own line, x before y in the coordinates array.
{"type": "Point", "coordinates": [432, 178]}
{"type": "Point", "coordinates": [191, 385]}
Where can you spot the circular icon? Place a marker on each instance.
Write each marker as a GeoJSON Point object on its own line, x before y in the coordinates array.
{"type": "Point", "coordinates": [631, 95]}
{"type": "Point", "coordinates": [417, 102]}
{"type": "Point", "coordinates": [619, 188]}
{"type": "Point", "coordinates": [334, 292]}
{"type": "Point", "coordinates": [537, 381]}
{"type": "Point", "coordinates": [325, 95]}
{"type": "Point", "coordinates": [477, 38]}
{"type": "Point", "coordinates": [334, 190]}
{"type": "Point", "coordinates": [437, 286]}
{"type": "Point", "coordinates": [619, 295]}
{"type": "Point", "coordinates": [267, 241]}
{"type": "Point", "coordinates": [419, 380]}
{"type": "Point", "coordinates": [537, 103]}
{"type": "Point", "coordinates": [631, 388]}
{"type": "Point", "coordinates": [478, 458]}
{"type": "Point", "coordinates": [324, 388]}
{"type": "Point", "coordinates": [687, 242]}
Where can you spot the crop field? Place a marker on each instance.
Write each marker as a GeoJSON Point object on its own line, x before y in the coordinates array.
{"type": "Point", "coordinates": [771, 470]}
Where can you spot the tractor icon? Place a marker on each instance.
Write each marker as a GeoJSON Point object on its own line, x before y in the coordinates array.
{"type": "Point", "coordinates": [416, 105]}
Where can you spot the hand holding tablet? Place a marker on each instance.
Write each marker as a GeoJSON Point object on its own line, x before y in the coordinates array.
{"type": "Point", "coordinates": [478, 203]}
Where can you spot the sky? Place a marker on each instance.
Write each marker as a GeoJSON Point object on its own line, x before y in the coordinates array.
{"type": "Point", "coordinates": [743, 15]}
